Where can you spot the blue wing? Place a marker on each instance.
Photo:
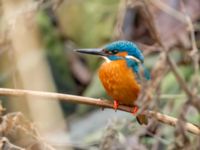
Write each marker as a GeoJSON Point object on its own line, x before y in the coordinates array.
{"type": "Point", "coordinates": [135, 67]}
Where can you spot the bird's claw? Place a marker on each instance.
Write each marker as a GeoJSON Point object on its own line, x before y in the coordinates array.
{"type": "Point", "coordinates": [116, 105]}
{"type": "Point", "coordinates": [135, 110]}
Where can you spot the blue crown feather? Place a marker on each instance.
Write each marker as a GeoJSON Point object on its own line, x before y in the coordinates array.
{"type": "Point", "coordinates": [126, 46]}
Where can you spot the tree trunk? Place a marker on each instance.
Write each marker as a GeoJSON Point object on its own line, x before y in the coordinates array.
{"type": "Point", "coordinates": [31, 66]}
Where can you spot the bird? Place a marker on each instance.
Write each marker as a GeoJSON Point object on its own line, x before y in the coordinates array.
{"type": "Point", "coordinates": [120, 73]}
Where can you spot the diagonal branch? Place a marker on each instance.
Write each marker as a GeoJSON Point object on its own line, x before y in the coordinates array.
{"type": "Point", "coordinates": [96, 102]}
{"type": "Point", "coordinates": [178, 76]}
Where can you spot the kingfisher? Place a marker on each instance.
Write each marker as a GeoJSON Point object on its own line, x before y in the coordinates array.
{"type": "Point", "coordinates": [120, 73]}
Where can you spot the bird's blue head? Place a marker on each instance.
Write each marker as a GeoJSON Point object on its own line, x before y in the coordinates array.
{"type": "Point", "coordinates": [124, 49]}
{"type": "Point", "coordinates": [120, 50]}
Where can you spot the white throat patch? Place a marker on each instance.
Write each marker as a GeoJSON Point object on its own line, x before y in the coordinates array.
{"type": "Point", "coordinates": [106, 59]}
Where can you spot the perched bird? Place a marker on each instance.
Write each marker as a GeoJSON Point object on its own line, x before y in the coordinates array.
{"type": "Point", "coordinates": [119, 73]}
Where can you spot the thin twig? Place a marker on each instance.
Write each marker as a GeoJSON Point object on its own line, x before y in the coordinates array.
{"type": "Point", "coordinates": [193, 98]}
{"type": "Point", "coordinates": [96, 102]}
{"type": "Point", "coordinates": [194, 53]}
{"type": "Point", "coordinates": [169, 10]}
{"type": "Point", "coordinates": [181, 81]}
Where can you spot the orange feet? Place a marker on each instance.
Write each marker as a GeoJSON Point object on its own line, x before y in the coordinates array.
{"type": "Point", "coordinates": [135, 110]}
{"type": "Point", "coordinates": [116, 105]}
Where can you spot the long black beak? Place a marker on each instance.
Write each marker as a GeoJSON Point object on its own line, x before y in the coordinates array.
{"type": "Point", "coordinates": [96, 51]}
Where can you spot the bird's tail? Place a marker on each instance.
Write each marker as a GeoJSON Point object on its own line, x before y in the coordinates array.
{"type": "Point", "coordinates": [142, 119]}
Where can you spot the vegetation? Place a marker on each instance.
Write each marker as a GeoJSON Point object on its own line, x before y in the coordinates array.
{"type": "Point", "coordinates": [36, 54]}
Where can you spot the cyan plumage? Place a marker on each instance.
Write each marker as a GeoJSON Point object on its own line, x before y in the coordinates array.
{"type": "Point", "coordinates": [126, 46]}
{"type": "Point", "coordinates": [119, 74]}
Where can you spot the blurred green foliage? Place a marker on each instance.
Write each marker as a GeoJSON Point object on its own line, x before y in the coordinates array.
{"type": "Point", "coordinates": [57, 58]}
{"type": "Point", "coordinates": [56, 54]}
{"type": "Point", "coordinates": [89, 23]}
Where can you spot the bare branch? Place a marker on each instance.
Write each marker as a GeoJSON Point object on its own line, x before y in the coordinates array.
{"type": "Point", "coordinates": [96, 102]}
{"type": "Point", "coordinates": [181, 81]}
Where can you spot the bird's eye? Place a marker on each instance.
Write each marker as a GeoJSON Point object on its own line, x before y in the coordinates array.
{"type": "Point", "coordinates": [110, 52]}
{"type": "Point", "coordinates": [114, 51]}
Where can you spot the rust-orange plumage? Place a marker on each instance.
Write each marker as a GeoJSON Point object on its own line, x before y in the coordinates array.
{"type": "Point", "coordinates": [119, 81]}
{"type": "Point", "coordinates": [119, 74]}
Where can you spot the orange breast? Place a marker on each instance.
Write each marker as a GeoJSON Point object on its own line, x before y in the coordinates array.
{"type": "Point", "coordinates": [119, 81]}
